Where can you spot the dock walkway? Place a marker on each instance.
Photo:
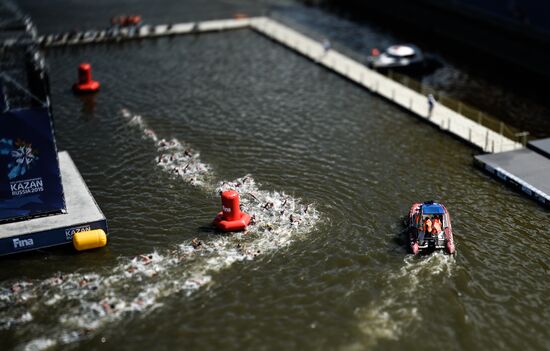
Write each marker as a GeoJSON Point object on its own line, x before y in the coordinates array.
{"type": "Point", "coordinates": [524, 169]}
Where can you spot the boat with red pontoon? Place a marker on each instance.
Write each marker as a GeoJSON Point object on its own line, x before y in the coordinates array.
{"type": "Point", "coordinates": [429, 228]}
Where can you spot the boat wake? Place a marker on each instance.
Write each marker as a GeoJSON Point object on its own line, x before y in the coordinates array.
{"type": "Point", "coordinates": [396, 310]}
{"type": "Point", "coordinates": [78, 305]}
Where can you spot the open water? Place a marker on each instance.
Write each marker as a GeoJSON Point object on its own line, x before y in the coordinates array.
{"type": "Point", "coordinates": [327, 170]}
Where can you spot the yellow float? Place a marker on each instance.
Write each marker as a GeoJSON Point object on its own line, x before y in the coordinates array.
{"type": "Point", "coordinates": [90, 239]}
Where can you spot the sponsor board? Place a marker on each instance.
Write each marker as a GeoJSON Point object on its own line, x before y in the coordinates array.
{"type": "Point", "coordinates": [30, 179]}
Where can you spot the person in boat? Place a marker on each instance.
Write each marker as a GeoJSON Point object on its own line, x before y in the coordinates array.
{"type": "Point", "coordinates": [436, 231]}
{"type": "Point", "coordinates": [428, 225]}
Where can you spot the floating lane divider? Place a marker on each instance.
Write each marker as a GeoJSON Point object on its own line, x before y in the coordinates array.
{"type": "Point", "coordinates": [116, 34]}
{"type": "Point", "coordinates": [138, 285]}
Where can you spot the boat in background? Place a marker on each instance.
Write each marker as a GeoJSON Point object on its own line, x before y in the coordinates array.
{"type": "Point", "coordinates": [404, 58]}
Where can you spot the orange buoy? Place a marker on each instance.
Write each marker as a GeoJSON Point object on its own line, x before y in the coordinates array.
{"type": "Point", "coordinates": [231, 219]}
{"type": "Point", "coordinates": [85, 82]}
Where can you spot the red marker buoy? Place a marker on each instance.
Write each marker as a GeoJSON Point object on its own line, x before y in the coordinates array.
{"type": "Point", "coordinates": [231, 219]}
{"type": "Point", "coordinates": [85, 82]}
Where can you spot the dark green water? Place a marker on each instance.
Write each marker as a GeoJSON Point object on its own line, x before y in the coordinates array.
{"type": "Point", "coordinates": [340, 280]}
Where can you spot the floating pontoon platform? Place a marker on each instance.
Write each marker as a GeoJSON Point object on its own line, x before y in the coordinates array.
{"type": "Point", "coordinates": [83, 214]}
{"type": "Point", "coordinates": [524, 169]}
{"type": "Point", "coordinates": [542, 146]}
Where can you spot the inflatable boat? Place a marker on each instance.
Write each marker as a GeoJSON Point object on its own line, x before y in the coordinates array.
{"type": "Point", "coordinates": [429, 228]}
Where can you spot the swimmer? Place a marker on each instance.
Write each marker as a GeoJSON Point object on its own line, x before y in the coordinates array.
{"type": "Point", "coordinates": [268, 205]}
{"type": "Point", "coordinates": [16, 288]}
{"type": "Point", "coordinates": [293, 220]}
{"type": "Point", "coordinates": [58, 280]}
{"type": "Point", "coordinates": [146, 259]}
{"type": "Point", "coordinates": [107, 308]}
{"type": "Point", "coordinates": [196, 243]}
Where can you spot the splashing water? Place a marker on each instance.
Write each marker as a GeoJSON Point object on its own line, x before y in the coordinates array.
{"type": "Point", "coordinates": [174, 157]}
{"type": "Point", "coordinates": [138, 285]}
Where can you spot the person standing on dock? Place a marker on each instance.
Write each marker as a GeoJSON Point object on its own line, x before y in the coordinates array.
{"type": "Point", "coordinates": [326, 45]}
{"type": "Point", "coordinates": [431, 104]}
{"type": "Point", "coordinates": [326, 48]}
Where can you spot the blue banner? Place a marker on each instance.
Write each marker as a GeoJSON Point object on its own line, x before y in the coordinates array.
{"type": "Point", "coordinates": [30, 181]}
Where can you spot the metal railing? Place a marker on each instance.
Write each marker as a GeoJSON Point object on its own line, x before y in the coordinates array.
{"type": "Point", "coordinates": [463, 109]}
{"type": "Point", "coordinates": [466, 110]}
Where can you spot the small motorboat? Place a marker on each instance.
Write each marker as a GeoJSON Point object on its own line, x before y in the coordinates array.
{"type": "Point", "coordinates": [402, 58]}
{"type": "Point", "coordinates": [429, 228]}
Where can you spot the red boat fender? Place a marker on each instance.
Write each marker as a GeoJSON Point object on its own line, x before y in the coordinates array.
{"type": "Point", "coordinates": [231, 219]}
{"type": "Point", "coordinates": [414, 248]}
{"type": "Point", "coordinates": [450, 243]}
{"type": "Point", "coordinates": [85, 84]}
